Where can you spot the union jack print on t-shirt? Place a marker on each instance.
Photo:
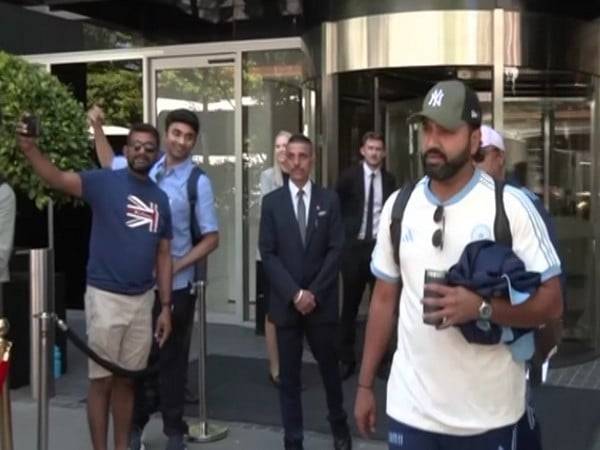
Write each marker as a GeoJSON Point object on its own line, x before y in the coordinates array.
{"type": "Point", "coordinates": [142, 214]}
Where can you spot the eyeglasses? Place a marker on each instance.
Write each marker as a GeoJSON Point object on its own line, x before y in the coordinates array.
{"type": "Point", "coordinates": [437, 239]}
{"type": "Point", "coordinates": [147, 146]}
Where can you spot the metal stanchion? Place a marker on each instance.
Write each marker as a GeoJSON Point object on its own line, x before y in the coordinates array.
{"type": "Point", "coordinates": [203, 431]}
{"type": "Point", "coordinates": [6, 435]}
{"type": "Point", "coordinates": [41, 273]}
{"type": "Point", "coordinates": [45, 320]}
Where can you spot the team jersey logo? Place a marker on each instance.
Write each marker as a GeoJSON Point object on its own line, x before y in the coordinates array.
{"type": "Point", "coordinates": [407, 236]}
{"type": "Point", "coordinates": [481, 232]}
{"type": "Point", "coordinates": [141, 214]}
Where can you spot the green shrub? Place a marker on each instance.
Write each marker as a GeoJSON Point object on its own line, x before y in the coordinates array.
{"type": "Point", "coordinates": [64, 135]}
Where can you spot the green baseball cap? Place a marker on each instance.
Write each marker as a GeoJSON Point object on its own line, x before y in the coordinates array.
{"type": "Point", "coordinates": [450, 104]}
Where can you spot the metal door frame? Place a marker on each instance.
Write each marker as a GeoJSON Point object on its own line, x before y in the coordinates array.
{"type": "Point", "coordinates": [389, 108]}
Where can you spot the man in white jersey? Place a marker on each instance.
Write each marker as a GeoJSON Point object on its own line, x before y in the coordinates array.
{"type": "Point", "coordinates": [443, 392]}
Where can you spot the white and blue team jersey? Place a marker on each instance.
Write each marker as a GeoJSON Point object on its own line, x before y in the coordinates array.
{"type": "Point", "coordinates": [439, 382]}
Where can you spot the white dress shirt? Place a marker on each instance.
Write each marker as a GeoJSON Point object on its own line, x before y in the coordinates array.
{"type": "Point", "coordinates": [377, 200]}
{"type": "Point", "coordinates": [307, 188]}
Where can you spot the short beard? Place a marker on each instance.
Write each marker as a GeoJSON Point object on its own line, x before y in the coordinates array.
{"type": "Point", "coordinates": [144, 171]}
{"type": "Point", "coordinates": [449, 168]}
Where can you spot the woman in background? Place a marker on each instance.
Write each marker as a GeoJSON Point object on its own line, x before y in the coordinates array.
{"type": "Point", "coordinates": [270, 179]}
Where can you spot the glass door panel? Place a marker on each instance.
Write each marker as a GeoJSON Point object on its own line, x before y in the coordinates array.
{"type": "Point", "coordinates": [405, 164]}
{"type": "Point", "coordinates": [272, 99]}
{"type": "Point", "coordinates": [548, 129]}
{"type": "Point", "coordinates": [400, 93]}
{"type": "Point", "coordinates": [207, 88]}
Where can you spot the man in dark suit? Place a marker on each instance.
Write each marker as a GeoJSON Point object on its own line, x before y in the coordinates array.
{"type": "Point", "coordinates": [362, 190]}
{"type": "Point", "coordinates": [301, 239]}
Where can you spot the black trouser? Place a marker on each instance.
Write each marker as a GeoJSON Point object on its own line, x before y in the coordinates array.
{"type": "Point", "coordinates": [356, 274]}
{"type": "Point", "coordinates": [166, 390]}
{"type": "Point", "coordinates": [262, 298]}
{"type": "Point", "coordinates": [321, 339]}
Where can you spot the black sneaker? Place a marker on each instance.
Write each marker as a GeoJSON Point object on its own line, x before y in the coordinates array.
{"type": "Point", "coordinates": [135, 440]}
{"type": "Point", "coordinates": [176, 442]}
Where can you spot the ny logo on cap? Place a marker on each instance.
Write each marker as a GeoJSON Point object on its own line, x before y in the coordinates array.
{"type": "Point", "coordinates": [435, 100]}
{"type": "Point", "coordinates": [474, 114]}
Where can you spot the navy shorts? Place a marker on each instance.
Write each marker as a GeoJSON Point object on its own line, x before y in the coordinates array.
{"type": "Point", "coordinates": [404, 437]}
{"type": "Point", "coordinates": [528, 431]}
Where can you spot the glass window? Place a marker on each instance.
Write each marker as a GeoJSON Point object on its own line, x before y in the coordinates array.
{"type": "Point", "coordinates": [117, 87]}
{"type": "Point", "coordinates": [548, 118]}
{"type": "Point", "coordinates": [271, 102]}
{"type": "Point", "coordinates": [209, 92]}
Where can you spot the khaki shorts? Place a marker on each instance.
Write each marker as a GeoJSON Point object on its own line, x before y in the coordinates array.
{"type": "Point", "coordinates": [119, 329]}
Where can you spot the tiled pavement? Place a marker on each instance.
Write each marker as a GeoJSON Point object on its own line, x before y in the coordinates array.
{"type": "Point", "coordinates": [68, 404]}
{"type": "Point", "coordinates": [586, 375]}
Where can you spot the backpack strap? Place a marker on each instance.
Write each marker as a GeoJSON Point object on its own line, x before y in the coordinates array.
{"type": "Point", "coordinates": [196, 234]}
{"type": "Point", "coordinates": [192, 192]}
{"type": "Point", "coordinates": [397, 215]}
{"type": "Point", "coordinates": [502, 232]}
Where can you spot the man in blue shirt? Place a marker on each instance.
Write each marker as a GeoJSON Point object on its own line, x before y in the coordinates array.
{"type": "Point", "coordinates": [171, 173]}
{"type": "Point", "coordinates": [131, 217]}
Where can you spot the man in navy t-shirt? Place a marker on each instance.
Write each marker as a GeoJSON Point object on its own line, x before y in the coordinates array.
{"type": "Point", "coordinates": [172, 173]}
{"type": "Point", "coordinates": [130, 241]}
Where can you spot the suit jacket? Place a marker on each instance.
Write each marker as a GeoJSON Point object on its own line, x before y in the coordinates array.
{"type": "Point", "coordinates": [290, 265]}
{"type": "Point", "coordinates": [350, 188]}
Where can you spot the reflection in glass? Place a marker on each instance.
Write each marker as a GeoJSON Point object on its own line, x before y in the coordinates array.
{"type": "Point", "coordinates": [271, 101]}
{"type": "Point", "coordinates": [396, 93]}
{"type": "Point", "coordinates": [548, 139]}
{"type": "Point", "coordinates": [116, 86]}
{"type": "Point", "coordinates": [209, 92]}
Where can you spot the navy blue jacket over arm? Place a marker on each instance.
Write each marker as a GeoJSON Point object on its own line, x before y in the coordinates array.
{"type": "Point", "coordinates": [491, 270]}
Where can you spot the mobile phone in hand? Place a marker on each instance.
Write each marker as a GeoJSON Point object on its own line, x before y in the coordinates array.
{"type": "Point", "coordinates": [32, 125]}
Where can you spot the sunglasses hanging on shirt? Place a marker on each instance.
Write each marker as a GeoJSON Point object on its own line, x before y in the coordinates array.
{"type": "Point", "coordinates": [437, 239]}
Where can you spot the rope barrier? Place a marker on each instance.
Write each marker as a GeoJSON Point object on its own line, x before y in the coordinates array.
{"type": "Point", "coordinates": [113, 368]}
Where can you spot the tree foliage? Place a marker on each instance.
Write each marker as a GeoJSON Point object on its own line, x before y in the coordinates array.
{"type": "Point", "coordinates": [29, 88]}
{"type": "Point", "coordinates": [117, 88]}
{"type": "Point", "coordinates": [202, 85]}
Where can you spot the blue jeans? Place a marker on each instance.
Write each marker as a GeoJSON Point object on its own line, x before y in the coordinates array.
{"type": "Point", "coordinates": [404, 437]}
